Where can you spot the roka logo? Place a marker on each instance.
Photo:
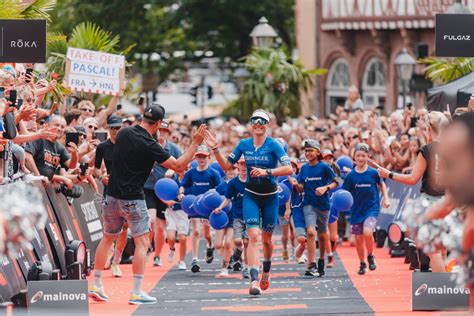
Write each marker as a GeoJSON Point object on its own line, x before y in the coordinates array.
{"type": "Point", "coordinates": [442, 290]}
{"type": "Point", "coordinates": [421, 289]}
{"type": "Point", "coordinates": [23, 44]}
{"type": "Point", "coordinates": [36, 297]}
{"type": "Point", "coordinates": [457, 37]}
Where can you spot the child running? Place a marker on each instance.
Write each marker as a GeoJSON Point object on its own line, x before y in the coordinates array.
{"type": "Point", "coordinates": [363, 183]}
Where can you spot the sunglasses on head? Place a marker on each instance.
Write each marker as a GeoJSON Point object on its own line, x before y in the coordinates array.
{"type": "Point", "coordinates": [92, 127]}
{"type": "Point", "coordinates": [259, 121]}
{"type": "Point", "coordinates": [87, 110]}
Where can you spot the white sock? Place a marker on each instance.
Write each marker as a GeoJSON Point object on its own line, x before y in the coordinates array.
{"type": "Point", "coordinates": [137, 283]}
{"type": "Point", "coordinates": [98, 278]}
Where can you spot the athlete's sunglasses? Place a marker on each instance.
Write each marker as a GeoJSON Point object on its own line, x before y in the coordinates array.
{"type": "Point", "coordinates": [259, 121]}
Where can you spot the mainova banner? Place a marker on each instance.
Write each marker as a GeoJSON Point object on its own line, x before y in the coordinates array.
{"type": "Point", "coordinates": [94, 72]}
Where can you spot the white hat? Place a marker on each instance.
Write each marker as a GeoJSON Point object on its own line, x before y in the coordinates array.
{"type": "Point", "coordinates": [261, 114]}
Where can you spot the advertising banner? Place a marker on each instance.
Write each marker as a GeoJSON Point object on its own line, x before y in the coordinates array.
{"type": "Point", "coordinates": [23, 41]}
{"type": "Point", "coordinates": [455, 35]}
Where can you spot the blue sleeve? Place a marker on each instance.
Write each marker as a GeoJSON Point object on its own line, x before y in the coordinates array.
{"type": "Point", "coordinates": [186, 182]}
{"type": "Point", "coordinates": [378, 179]}
{"type": "Point", "coordinates": [217, 177]}
{"type": "Point", "coordinates": [236, 154]}
{"type": "Point", "coordinates": [347, 185]}
{"type": "Point", "coordinates": [230, 192]}
{"type": "Point", "coordinates": [299, 178]}
{"type": "Point", "coordinates": [282, 156]}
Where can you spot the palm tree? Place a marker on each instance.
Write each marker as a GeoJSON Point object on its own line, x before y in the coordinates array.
{"type": "Point", "coordinates": [274, 84]}
{"type": "Point", "coordinates": [37, 9]}
{"type": "Point", "coordinates": [444, 70]}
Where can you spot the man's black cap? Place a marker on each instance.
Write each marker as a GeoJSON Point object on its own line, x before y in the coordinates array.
{"type": "Point", "coordinates": [114, 121]}
{"type": "Point", "coordinates": [154, 112]}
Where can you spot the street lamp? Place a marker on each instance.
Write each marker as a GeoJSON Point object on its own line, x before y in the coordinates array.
{"type": "Point", "coordinates": [405, 66]}
{"type": "Point", "coordinates": [458, 8]}
{"type": "Point", "coordinates": [263, 34]}
{"type": "Point", "coordinates": [241, 75]}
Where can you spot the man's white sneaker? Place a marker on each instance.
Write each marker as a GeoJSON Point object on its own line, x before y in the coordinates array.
{"type": "Point", "coordinates": [182, 265]}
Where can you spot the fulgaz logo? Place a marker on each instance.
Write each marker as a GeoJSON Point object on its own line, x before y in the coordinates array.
{"type": "Point", "coordinates": [457, 37]}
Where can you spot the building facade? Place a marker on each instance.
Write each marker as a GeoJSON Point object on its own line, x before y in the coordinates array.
{"type": "Point", "coordinates": [358, 41]}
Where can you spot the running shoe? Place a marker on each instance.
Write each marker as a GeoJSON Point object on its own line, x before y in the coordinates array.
{"type": "Point", "coordinates": [321, 268]}
{"type": "Point", "coordinates": [209, 255]}
{"type": "Point", "coordinates": [265, 281]}
{"type": "Point", "coordinates": [237, 266]}
{"type": "Point", "coordinates": [331, 262]}
{"type": "Point", "coordinates": [171, 255]}
{"type": "Point", "coordinates": [223, 274]}
{"type": "Point", "coordinates": [362, 268]}
{"type": "Point", "coordinates": [116, 272]}
{"type": "Point", "coordinates": [245, 273]}
{"type": "Point", "coordinates": [182, 265]}
{"type": "Point", "coordinates": [311, 271]}
{"type": "Point", "coordinates": [141, 299]}
{"type": "Point", "coordinates": [372, 264]}
{"type": "Point", "coordinates": [195, 266]}
{"type": "Point", "coordinates": [285, 255]}
{"type": "Point", "coordinates": [254, 288]}
{"type": "Point", "coordinates": [303, 259]}
{"type": "Point", "coordinates": [157, 262]}
{"type": "Point", "coordinates": [98, 294]}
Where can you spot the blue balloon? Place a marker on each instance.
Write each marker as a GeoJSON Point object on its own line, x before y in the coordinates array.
{"type": "Point", "coordinates": [194, 164]}
{"type": "Point", "coordinates": [166, 189]}
{"type": "Point", "coordinates": [212, 199]}
{"type": "Point", "coordinates": [215, 165]}
{"type": "Point", "coordinates": [332, 191]}
{"type": "Point", "coordinates": [344, 161]}
{"type": "Point", "coordinates": [219, 221]}
{"type": "Point", "coordinates": [199, 208]}
{"type": "Point", "coordinates": [187, 204]}
{"type": "Point", "coordinates": [228, 207]}
{"type": "Point", "coordinates": [282, 178]}
{"type": "Point", "coordinates": [283, 194]}
{"type": "Point", "coordinates": [342, 200]}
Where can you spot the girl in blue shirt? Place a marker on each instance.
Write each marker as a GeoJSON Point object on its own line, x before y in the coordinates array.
{"type": "Point", "coordinates": [265, 159]}
{"type": "Point", "coordinates": [363, 182]}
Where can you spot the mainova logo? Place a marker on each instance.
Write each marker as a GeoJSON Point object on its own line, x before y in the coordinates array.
{"type": "Point", "coordinates": [457, 37]}
{"type": "Point", "coordinates": [58, 297]}
{"type": "Point", "coordinates": [441, 290]}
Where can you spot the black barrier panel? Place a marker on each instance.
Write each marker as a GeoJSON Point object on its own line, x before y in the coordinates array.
{"type": "Point", "coordinates": [88, 209]}
{"type": "Point", "coordinates": [399, 195]}
{"type": "Point", "coordinates": [64, 213]}
{"type": "Point", "coordinates": [11, 278]}
{"type": "Point", "coordinates": [53, 233]}
{"type": "Point", "coordinates": [26, 259]}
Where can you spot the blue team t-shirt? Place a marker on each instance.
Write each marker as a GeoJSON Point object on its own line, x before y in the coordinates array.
{"type": "Point", "coordinates": [222, 188]}
{"type": "Point", "coordinates": [235, 192]}
{"type": "Point", "coordinates": [282, 207]}
{"type": "Point", "coordinates": [267, 156]}
{"type": "Point", "coordinates": [199, 182]}
{"type": "Point", "coordinates": [158, 171]}
{"type": "Point", "coordinates": [364, 190]}
{"type": "Point", "coordinates": [313, 177]}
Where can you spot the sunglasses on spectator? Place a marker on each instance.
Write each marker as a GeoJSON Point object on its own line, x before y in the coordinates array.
{"type": "Point", "coordinates": [41, 123]}
{"type": "Point", "coordinates": [115, 128]}
{"type": "Point", "coordinates": [87, 110]}
{"type": "Point", "coordinates": [355, 136]}
{"type": "Point", "coordinates": [258, 121]}
{"type": "Point", "coordinates": [92, 127]}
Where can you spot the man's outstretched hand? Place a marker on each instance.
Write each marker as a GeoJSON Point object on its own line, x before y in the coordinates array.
{"type": "Point", "coordinates": [200, 134]}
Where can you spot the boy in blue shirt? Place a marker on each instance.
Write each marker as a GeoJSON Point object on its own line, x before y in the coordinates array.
{"type": "Point", "coordinates": [313, 180]}
{"type": "Point", "coordinates": [363, 182]}
{"type": "Point", "coordinates": [197, 181]}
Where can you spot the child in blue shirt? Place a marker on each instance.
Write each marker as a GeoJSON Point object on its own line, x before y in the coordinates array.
{"type": "Point", "coordinates": [197, 181]}
{"type": "Point", "coordinates": [363, 182]}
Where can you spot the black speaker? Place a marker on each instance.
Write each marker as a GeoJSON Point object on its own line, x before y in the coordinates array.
{"type": "Point", "coordinates": [421, 50]}
{"type": "Point", "coordinates": [127, 254]}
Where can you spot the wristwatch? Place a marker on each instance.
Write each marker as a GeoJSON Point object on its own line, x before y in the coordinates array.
{"type": "Point", "coordinates": [269, 172]}
{"type": "Point", "coordinates": [391, 174]}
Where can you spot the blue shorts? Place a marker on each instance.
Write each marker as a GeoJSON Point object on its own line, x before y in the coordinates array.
{"type": "Point", "coordinates": [260, 206]}
{"type": "Point", "coordinates": [116, 212]}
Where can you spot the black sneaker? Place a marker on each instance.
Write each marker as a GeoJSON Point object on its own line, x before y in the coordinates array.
{"type": "Point", "coordinates": [311, 271]}
{"type": "Point", "coordinates": [372, 264]}
{"type": "Point", "coordinates": [209, 255]}
{"type": "Point", "coordinates": [237, 266]}
{"type": "Point", "coordinates": [321, 268]}
{"type": "Point", "coordinates": [195, 268]}
{"type": "Point", "coordinates": [362, 268]}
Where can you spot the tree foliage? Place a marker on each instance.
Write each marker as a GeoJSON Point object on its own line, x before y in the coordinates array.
{"type": "Point", "coordinates": [445, 70]}
{"type": "Point", "coordinates": [274, 84]}
{"type": "Point", "coordinates": [38, 9]}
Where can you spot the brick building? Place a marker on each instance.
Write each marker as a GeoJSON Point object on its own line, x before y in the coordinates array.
{"type": "Point", "coordinates": [358, 41]}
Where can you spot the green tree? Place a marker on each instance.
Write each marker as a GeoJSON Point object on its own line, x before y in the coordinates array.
{"type": "Point", "coordinates": [274, 84]}
{"type": "Point", "coordinates": [38, 9]}
{"type": "Point", "coordinates": [444, 70]}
